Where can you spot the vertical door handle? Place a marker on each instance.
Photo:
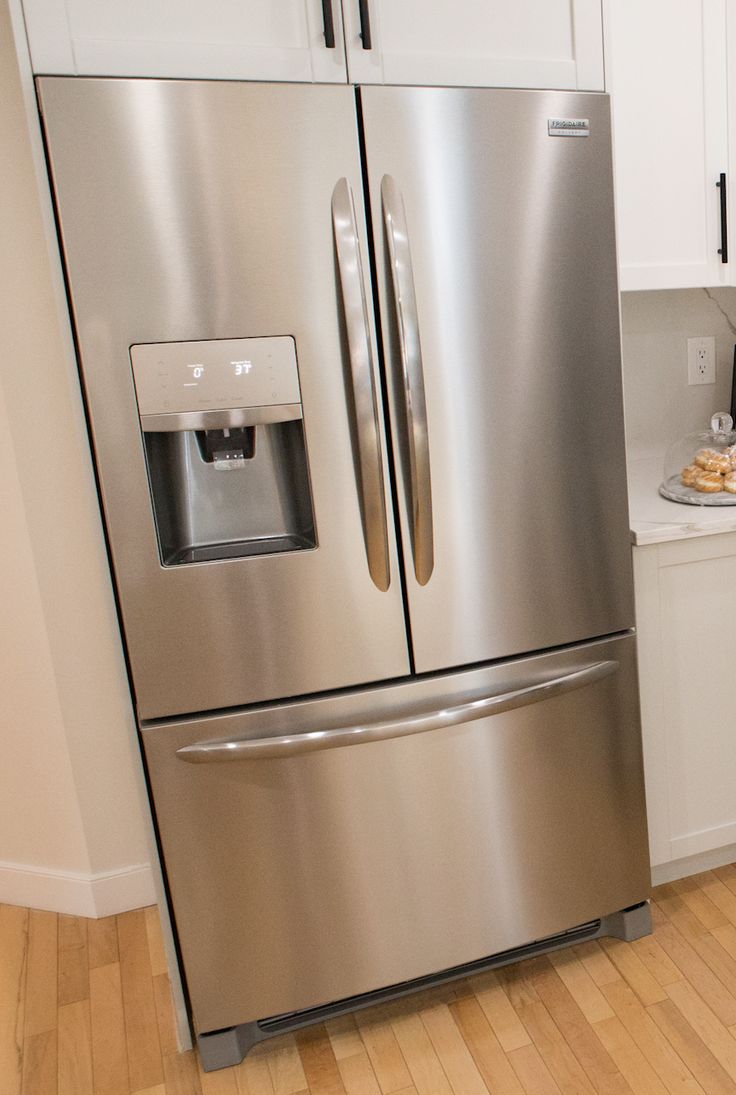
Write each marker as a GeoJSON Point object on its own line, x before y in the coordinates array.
{"type": "Point", "coordinates": [402, 280]}
{"type": "Point", "coordinates": [723, 249]}
{"type": "Point", "coordinates": [355, 309]}
{"type": "Point", "coordinates": [365, 24]}
{"type": "Point", "coordinates": [328, 23]}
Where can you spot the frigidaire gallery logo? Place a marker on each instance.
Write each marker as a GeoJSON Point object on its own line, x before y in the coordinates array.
{"type": "Point", "coordinates": [568, 127]}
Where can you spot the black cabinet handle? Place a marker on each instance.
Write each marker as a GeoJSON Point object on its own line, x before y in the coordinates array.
{"type": "Point", "coordinates": [723, 249]}
{"type": "Point", "coordinates": [329, 24]}
{"type": "Point", "coordinates": [365, 24]}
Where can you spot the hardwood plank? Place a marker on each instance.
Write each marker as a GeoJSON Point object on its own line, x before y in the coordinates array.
{"type": "Point", "coordinates": [418, 1052]}
{"type": "Point", "coordinates": [675, 1075]}
{"type": "Point", "coordinates": [706, 1024]}
{"type": "Point", "coordinates": [534, 1075]}
{"type": "Point", "coordinates": [357, 1074]}
{"type": "Point", "coordinates": [344, 1036]}
{"type": "Point", "coordinates": [581, 986]}
{"type": "Point", "coordinates": [719, 893]}
{"type": "Point", "coordinates": [145, 1063]}
{"type": "Point", "coordinates": [596, 962]}
{"type": "Point", "coordinates": [726, 936]}
{"type": "Point", "coordinates": [181, 1073]}
{"type": "Point", "coordinates": [39, 1064]}
{"type": "Point", "coordinates": [384, 1052]}
{"type": "Point", "coordinates": [454, 1055]}
{"type": "Point", "coordinates": [14, 953]}
{"type": "Point", "coordinates": [698, 973]}
{"type": "Point", "coordinates": [42, 973]}
{"type": "Point", "coordinates": [679, 914]}
{"type": "Point", "coordinates": [517, 984]}
{"type": "Point", "coordinates": [712, 1077]}
{"type": "Point", "coordinates": [633, 970]}
{"type": "Point", "coordinates": [579, 1034]}
{"type": "Point", "coordinates": [659, 964]}
{"type": "Point", "coordinates": [165, 1018]}
{"type": "Point", "coordinates": [318, 1061]}
{"type": "Point", "coordinates": [102, 942]}
{"type": "Point", "coordinates": [557, 1055]}
{"type": "Point", "coordinates": [700, 903]}
{"type": "Point", "coordinates": [253, 1076]}
{"type": "Point", "coordinates": [75, 1050]}
{"type": "Point", "coordinates": [221, 1082]}
{"type": "Point", "coordinates": [497, 1009]}
{"type": "Point", "coordinates": [109, 1055]}
{"type": "Point", "coordinates": [73, 965]}
{"type": "Point", "coordinates": [159, 1089]}
{"type": "Point", "coordinates": [631, 1062]}
{"type": "Point", "coordinates": [284, 1062]}
{"type": "Point", "coordinates": [485, 1048]}
{"type": "Point", "coordinates": [155, 941]}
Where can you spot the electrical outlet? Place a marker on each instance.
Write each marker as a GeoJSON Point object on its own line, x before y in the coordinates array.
{"type": "Point", "coordinates": [701, 361]}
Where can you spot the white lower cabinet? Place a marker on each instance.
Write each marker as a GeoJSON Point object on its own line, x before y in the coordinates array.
{"type": "Point", "coordinates": [686, 603]}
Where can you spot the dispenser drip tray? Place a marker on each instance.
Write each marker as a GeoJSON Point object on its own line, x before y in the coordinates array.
{"type": "Point", "coordinates": [267, 545]}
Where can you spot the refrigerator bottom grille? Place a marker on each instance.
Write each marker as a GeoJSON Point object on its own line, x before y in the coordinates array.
{"type": "Point", "coordinates": [277, 1024]}
{"type": "Point", "coordinates": [222, 1048]}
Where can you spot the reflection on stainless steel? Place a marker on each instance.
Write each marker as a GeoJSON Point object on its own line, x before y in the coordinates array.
{"type": "Point", "coordinates": [399, 257]}
{"type": "Point", "coordinates": [310, 741]}
{"type": "Point", "coordinates": [225, 324]}
{"type": "Point", "coordinates": [355, 308]}
{"type": "Point", "coordinates": [514, 271]}
{"type": "Point", "coordinates": [216, 420]}
{"type": "Point", "coordinates": [309, 878]}
{"type": "Point", "coordinates": [207, 216]}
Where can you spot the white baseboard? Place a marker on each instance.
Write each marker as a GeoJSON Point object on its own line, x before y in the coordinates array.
{"type": "Point", "coordinates": [693, 864]}
{"type": "Point", "coordinates": [77, 894]}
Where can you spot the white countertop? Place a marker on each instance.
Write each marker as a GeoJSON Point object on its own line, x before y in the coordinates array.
{"type": "Point", "coordinates": [655, 519]}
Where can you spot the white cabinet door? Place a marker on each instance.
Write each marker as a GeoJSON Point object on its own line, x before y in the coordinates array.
{"type": "Point", "coordinates": [253, 40]}
{"type": "Point", "coordinates": [683, 591]}
{"type": "Point", "coordinates": [473, 43]}
{"type": "Point", "coordinates": [666, 67]}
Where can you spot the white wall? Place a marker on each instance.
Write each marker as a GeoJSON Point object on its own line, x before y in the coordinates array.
{"type": "Point", "coordinates": [74, 830]}
{"type": "Point", "coordinates": [660, 405]}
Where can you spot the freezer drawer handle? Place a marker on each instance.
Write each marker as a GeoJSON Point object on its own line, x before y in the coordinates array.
{"type": "Point", "coordinates": [402, 279]}
{"type": "Point", "coordinates": [371, 487]}
{"type": "Point", "coordinates": [291, 745]}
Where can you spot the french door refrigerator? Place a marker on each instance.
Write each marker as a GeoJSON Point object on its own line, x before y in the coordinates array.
{"type": "Point", "coordinates": [378, 619]}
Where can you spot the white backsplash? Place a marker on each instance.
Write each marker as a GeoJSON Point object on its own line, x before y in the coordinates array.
{"type": "Point", "coordinates": [660, 406]}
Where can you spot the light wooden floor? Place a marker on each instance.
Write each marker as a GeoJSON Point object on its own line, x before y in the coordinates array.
{"type": "Point", "coordinates": [85, 1008]}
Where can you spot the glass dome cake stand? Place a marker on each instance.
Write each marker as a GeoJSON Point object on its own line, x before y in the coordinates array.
{"type": "Point", "coordinates": [700, 469]}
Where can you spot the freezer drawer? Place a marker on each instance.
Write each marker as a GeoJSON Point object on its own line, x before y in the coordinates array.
{"type": "Point", "coordinates": [473, 812]}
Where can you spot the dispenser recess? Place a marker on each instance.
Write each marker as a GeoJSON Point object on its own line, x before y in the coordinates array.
{"type": "Point", "coordinates": [224, 406]}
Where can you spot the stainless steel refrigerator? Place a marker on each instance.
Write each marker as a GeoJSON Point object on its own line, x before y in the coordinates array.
{"type": "Point", "coordinates": [351, 360]}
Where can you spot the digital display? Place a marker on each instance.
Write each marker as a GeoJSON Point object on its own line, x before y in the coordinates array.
{"type": "Point", "coordinates": [182, 376]}
{"type": "Point", "coordinates": [240, 368]}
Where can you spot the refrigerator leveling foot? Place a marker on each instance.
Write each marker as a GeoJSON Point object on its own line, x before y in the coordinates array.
{"type": "Point", "coordinates": [223, 1048]}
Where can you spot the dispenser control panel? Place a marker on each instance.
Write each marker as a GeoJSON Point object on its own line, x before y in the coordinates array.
{"type": "Point", "coordinates": [217, 375]}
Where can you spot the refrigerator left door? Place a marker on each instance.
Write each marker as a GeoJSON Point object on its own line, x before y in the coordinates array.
{"type": "Point", "coordinates": [214, 235]}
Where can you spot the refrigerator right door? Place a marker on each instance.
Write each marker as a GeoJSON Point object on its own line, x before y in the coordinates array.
{"type": "Point", "coordinates": [494, 230]}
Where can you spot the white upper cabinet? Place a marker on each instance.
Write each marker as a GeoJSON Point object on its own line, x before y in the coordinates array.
{"type": "Point", "coordinates": [666, 68]}
{"type": "Point", "coordinates": [488, 43]}
{"type": "Point", "coordinates": [232, 39]}
{"type": "Point", "coordinates": [507, 43]}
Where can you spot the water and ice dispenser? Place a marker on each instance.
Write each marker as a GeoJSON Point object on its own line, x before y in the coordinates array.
{"type": "Point", "coordinates": [224, 442]}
